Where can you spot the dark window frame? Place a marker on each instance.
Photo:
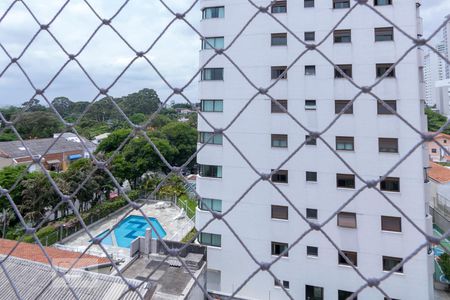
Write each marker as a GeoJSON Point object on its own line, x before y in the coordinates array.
{"type": "Point", "coordinates": [275, 109]}
{"type": "Point", "coordinates": [344, 295]}
{"type": "Point", "coordinates": [310, 70]}
{"type": "Point", "coordinates": [339, 106]}
{"type": "Point", "coordinates": [312, 251]}
{"type": "Point", "coordinates": [346, 215]}
{"type": "Point", "coordinates": [203, 239]}
{"type": "Point", "coordinates": [381, 110]}
{"type": "Point", "coordinates": [203, 101]}
{"type": "Point", "coordinates": [278, 247]}
{"type": "Point", "coordinates": [279, 7]}
{"type": "Point", "coordinates": [308, 3]}
{"type": "Point", "coordinates": [345, 143]}
{"type": "Point", "coordinates": [281, 214]}
{"type": "Point", "coordinates": [216, 75]}
{"type": "Point", "coordinates": [312, 213]}
{"type": "Point", "coordinates": [381, 69]}
{"type": "Point", "coordinates": [390, 184]}
{"type": "Point", "coordinates": [280, 138]}
{"type": "Point", "coordinates": [282, 176]}
{"type": "Point", "coordinates": [216, 14]}
{"type": "Point", "coordinates": [388, 145]}
{"type": "Point", "coordinates": [311, 142]}
{"type": "Point", "coordinates": [342, 36]}
{"type": "Point", "coordinates": [392, 224]}
{"type": "Point", "coordinates": [351, 255]}
{"type": "Point", "coordinates": [382, 2]}
{"type": "Point", "coordinates": [345, 181]}
{"type": "Point", "coordinates": [388, 266]}
{"type": "Point", "coordinates": [341, 4]}
{"type": "Point", "coordinates": [311, 291]}
{"type": "Point", "coordinates": [311, 176]}
{"type": "Point", "coordinates": [278, 72]}
{"type": "Point", "coordinates": [309, 36]}
{"type": "Point", "coordinates": [278, 39]}
{"type": "Point", "coordinates": [384, 34]}
{"type": "Point", "coordinates": [346, 68]}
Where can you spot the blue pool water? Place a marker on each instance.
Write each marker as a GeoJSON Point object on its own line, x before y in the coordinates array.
{"type": "Point", "coordinates": [129, 229]}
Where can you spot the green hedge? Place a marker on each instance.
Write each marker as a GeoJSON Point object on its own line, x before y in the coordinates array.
{"type": "Point", "coordinates": [97, 212]}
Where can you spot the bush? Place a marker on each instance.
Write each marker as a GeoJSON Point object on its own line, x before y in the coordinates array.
{"type": "Point", "coordinates": [444, 262]}
{"type": "Point", "coordinates": [49, 231]}
{"type": "Point", "coordinates": [189, 236]}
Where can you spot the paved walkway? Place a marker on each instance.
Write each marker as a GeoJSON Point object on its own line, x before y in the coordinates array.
{"type": "Point", "coordinates": [176, 229]}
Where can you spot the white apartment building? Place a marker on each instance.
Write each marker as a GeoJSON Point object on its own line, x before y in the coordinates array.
{"type": "Point", "coordinates": [372, 234]}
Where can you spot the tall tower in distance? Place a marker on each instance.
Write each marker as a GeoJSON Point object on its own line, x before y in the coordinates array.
{"type": "Point", "coordinates": [261, 224]}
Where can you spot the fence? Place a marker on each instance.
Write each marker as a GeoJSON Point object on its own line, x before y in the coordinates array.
{"type": "Point", "coordinates": [103, 164]}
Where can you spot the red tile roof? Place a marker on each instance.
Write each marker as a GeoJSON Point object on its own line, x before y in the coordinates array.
{"type": "Point", "coordinates": [60, 258]}
{"type": "Point", "coordinates": [439, 173]}
{"type": "Point", "coordinates": [441, 135]}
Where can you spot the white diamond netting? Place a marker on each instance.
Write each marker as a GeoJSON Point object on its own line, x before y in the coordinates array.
{"type": "Point", "coordinates": [104, 165]}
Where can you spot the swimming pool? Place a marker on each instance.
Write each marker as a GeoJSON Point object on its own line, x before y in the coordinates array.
{"type": "Point", "coordinates": [129, 229]}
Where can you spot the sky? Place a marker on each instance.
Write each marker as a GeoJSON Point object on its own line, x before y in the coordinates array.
{"type": "Point", "coordinates": [175, 55]}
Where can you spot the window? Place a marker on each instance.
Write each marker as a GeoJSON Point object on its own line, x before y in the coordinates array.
{"type": "Point", "coordinates": [383, 68]}
{"type": "Point", "coordinates": [275, 108]}
{"type": "Point", "coordinates": [313, 292]}
{"type": "Point", "coordinates": [389, 145]}
{"type": "Point", "coordinates": [310, 104]}
{"type": "Point", "coordinates": [211, 105]}
{"type": "Point", "coordinates": [310, 70]}
{"type": "Point", "coordinates": [390, 263]}
{"type": "Point", "coordinates": [340, 105]}
{"type": "Point", "coordinates": [346, 69]}
{"type": "Point", "coordinates": [341, 3]}
{"type": "Point", "coordinates": [351, 256]}
{"type": "Point", "coordinates": [345, 181]}
{"type": "Point", "coordinates": [310, 36]}
{"type": "Point", "coordinates": [281, 176]}
{"type": "Point", "coordinates": [278, 248]}
{"type": "Point", "coordinates": [344, 295]}
{"type": "Point", "coordinates": [210, 204]}
{"type": "Point", "coordinates": [213, 12]}
{"type": "Point", "coordinates": [342, 36]}
{"type": "Point", "coordinates": [279, 72]}
{"type": "Point", "coordinates": [382, 110]}
{"type": "Point", "coordinates": [284, 283]}
{"type": "Point", "coordinates": [434, 150]}
{"type": "Point", "coordinates": [210, 171]}
{"type": "Point", "coordinates": [309, 3]}
{"type": "Point", "coordinates": [279, 7]}
{"type": "Point", "coordinates": [382, 2]}
{"type": "Point", "coordinates": [279, 140]}
{"type": "Point", "coordinates": [278, 39]}
{"type": "Point", "coordinates": [210, 138]}
{"type": "Point", "coordinates": [346, 219]}
{"type": "Point", "coordinates": [312, 251]}
{"type": "Point", "coordinates": [311, 213]}
{"type": "Point", "coordinates": [210, 239]}
{"type": "Point", "coordinates": [311, 176]}
{"type": "Point", "coordinates": [310, 141]}
{"type": "Point", "coordinates": [383, 34]}
{"type": "Point", "coordinates": [213, 42]}
{"type": "Point", "coordinates": [212, 74]}
{"type": "Point", "coordinates": [279, 212]}
{"type": "Point", "coordinates": [390, 184]}
{"type": "Point", "coordinates": [346, 143]}
{"type": "Point", "coordinates": [391, 224]}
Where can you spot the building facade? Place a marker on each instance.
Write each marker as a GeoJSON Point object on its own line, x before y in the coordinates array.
{"type": "Point", "coordinates": [373, 235]}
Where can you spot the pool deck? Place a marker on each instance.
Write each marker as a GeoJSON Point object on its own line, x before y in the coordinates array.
{"type": "Point", "coordinates": [175, 229]}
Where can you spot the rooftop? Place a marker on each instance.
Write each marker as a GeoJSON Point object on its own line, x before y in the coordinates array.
{"type": "Point", "coordinates": [16, 149]}
{"type": "Point", "coordinates": [439, 173]}
{"type": "Point", "coordinates": [61, 258]}
{"type": "Point", "coordinates": [33, 280]}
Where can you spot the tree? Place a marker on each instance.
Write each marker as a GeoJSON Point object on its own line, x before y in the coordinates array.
{"type": "Point", "coordinates": [97, 187]}
{"type": "Point", "coordinates": [113, 141]}
{"type": "Point", "coordinates": [38, 124]}
{"type": "Point", "coordinates": [8, 177]}
{"type": "Point", "coordinates": [138, 118]}
{"type": "Point", "coordinates": [436, 121]}
{"type": "Point", "coordinates": [138, 157]}
{"type": "Point", "coordinates": [444, 262]}
{"type": "Point", "coordinates": [63, 105]}
{"type": "Point", "coordinates": [39, 196]}
{"type": "Point", "coordinates": [33, 105]}
{"type": "Point", "coordinates": [183, 137]}
{"type": "Point", "coordinates": [145, 101]}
